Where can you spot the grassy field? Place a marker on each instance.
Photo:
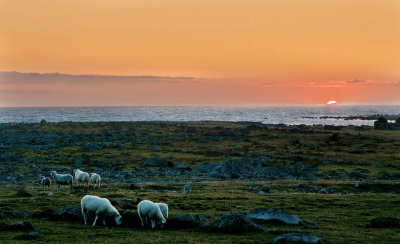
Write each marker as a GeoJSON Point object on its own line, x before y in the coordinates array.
{"type": "Point", "coordinates": [338, 217]}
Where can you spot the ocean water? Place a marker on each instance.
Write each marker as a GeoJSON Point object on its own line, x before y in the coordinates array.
{"type": "Point", "coordinates": [267, 115]}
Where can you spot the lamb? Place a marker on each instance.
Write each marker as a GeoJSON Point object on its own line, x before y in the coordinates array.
{"type": "Point", "coordinates": [95, 179]}
{"type": "Point", "coordinates": [60, 179]}
{"type": "Point", "coordinates": [45, 181]}
{"type": "Point", "coordinates": [149, 210]}
{"type": "Point", "coordinates": [81, 176]}
{"type": "Point", "coordinates": [99, 207]}
{"type": "Point", "coordinates": [164, 209]}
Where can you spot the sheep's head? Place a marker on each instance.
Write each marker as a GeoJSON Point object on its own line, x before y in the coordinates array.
{"type": "Point", "coordinates": [163, 221]}
{"type": "Point", "coordinates": [118, 219]}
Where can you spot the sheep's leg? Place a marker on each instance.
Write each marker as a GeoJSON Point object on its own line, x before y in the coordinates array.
{"type": "Point", "coordinates": [84, 217]}
{"type": "Point", "coordinates": [153, 223]}
{"type": "Point", "coordinates": [141, 220]}
{"type": "Point", "coordinates": [98, 185]}
{"type": "Point", "coordinates": [94, 223]}
{"type": "Point", "coordinates": [104, 221]}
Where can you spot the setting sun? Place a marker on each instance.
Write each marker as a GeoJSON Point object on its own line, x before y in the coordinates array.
{"type": "Point", "coordinates": [331, 102]}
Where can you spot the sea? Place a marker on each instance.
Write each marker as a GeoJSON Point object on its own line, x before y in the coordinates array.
{"type": "Point", "coordinates": [290, 115]}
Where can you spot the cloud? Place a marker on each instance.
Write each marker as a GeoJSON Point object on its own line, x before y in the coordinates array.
{"type": "Point", "coordinates": [51, 78]}
{"type": "Point", "coordinates": [355, 81]}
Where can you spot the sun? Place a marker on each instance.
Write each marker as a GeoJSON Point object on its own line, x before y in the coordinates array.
{"type": "Point", "coordinates": [331, 102]}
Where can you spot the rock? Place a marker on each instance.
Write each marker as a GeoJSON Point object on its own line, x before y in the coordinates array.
{"type": "Point", "coordinates": [12, 214]}
{"type": "Point", "coordinates": [42, 214]}
{"type": "Point", "coordinates": [76, 161]}
{"type": "Point", "coordinates": [323, 191]}
{"type": "Point", "coordinates": [185, 222]}
{"type": "Point", "coordinates": [384, 222]}
{"type": "Point", "coordinates": [18, 226]}
{"type": "Point", "coordinates": [264, 215]}
{"type": "Point", "coordinates": [186, 188]}
{"type": "Point", "coordinates": [50, 193]}
{"type": "Point", "coordinates": [362, 185]}
{"type": "Point", "coordinates": [261, 193]}
{"type": "Point", "coordinates": [187, 207]}
{"type": "Point", "coordinates": [27, 236]}
{"type": "Point", "coordinates": [114, 202]}
{"type": "Point", "coordinates": [235, 223]}
{"type": "Point", "coordinates": [266, 188]}
{"type": "Point", "coordinates": [130, 219]}
{"type": "Point", "coordinates": [90, 147]}
{"type": "Point", "coordinates": [378, 165]}
{"type": "Point", "coordinates": [129, 203]}
{"type": "Point", "coordinates": [134, 186]}
{"type": "Point", "coordinates": [43, 122]}
{"type": "Point", "coordinates": [21, 192]}
{"type": "Point", "coordinates": [297, 237]}
{"type": "Point", "coordinates": [156, 162]}
{"type": "Point", "coordinates": [73, 213]}
{"type": "Point", "coordinates": [182, 167]}
{"type": "Point", "coordinates": [361, 151]}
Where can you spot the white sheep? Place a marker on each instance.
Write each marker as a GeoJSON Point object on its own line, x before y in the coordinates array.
{"type": "Point", "coordinates": [149, 210]}
{"type": "Point", "coordinates": [45, 181]}
{"type": "Point", "coordinates": [81, 176]}
{"type": "Point", "coordinates": [164, 209]}
{"type": "Point", "coordinates": [60, 179]}
{"type": "Point", "coordinates": [95, 179]}
{"type": "Point", "coordinates": [93, 205]}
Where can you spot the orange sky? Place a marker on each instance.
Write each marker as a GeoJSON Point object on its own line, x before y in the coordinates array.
{"type": "Point", "coordinates": [240, 52]}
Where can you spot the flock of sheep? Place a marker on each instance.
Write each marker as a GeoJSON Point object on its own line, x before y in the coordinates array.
{"type": "Point", "coordinates": [94, 206]}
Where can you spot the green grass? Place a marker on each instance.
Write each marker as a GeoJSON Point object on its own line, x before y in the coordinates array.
{"type": "Point", "coordinates": [338, 218]}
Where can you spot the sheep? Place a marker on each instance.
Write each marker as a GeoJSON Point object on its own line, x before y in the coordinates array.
{"type": "Point", "coordinates": [149, 210]}
{"type": "Point", "coordinates": [99, 207]}
{"type": "Point", "coordinates": [81, 176]}
{"type": "Point", "coordinates": [60, 179]}
{"type": "Point", "coordinates": [95, 179]}
{"type": "Point", "coordinates": [45, 181]}
{"type": "Point", "coordinates": [164, 209]}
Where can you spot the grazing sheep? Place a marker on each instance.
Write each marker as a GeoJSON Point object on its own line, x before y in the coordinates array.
{"type": "Point", "coordinates": [164, 209]}
{"type": "Point", "coordinates": [95, 179]}
{"type": "Point", "coordinates": [62, 179]}
{"type": "Point", "coordinates": [99, 207]}
{"type": "Point", "coordinates": [149, 210]}
{"type": "Point", "coordinates": [45, 182]}
{"type": "Point", "coordinates": [81, 176]}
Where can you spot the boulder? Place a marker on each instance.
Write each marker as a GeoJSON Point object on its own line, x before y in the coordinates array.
{"type": "Point", "coordinates": [186, 188]}
{"type": "Point", "coordinates": [384, 222]}
{"type": "Point", "coordinates": [27, 236]}
{"type": "Point", "coordinates": [73, 213]}
{"type": "Point", "coordinates": [264, 215]}
{"type": "Point", "coordinates": [12, 214]}
{"type": "Point", "coordinates": [18, 226]}
{"type": "Point", "coordinates": [42, 214]}
{"type": "Point", "coordinates": [130, 219]}
{"type": "Point", "coordinates": [156, 162]}
{"type": "Point", "coordinates": [266, 188]}
{"type": "Point", "coordinates": [76, 161]}
{"type": "Point", "coordinates": [129, 203]}
{"type": "Point", "coordinates": [185, 222]}
{"type": "Point", "coordinates": [298, 237]}
{"type": "Point", "coordinates": [114, 202]}
{"type": "Point", "coordinates": [235, 223]}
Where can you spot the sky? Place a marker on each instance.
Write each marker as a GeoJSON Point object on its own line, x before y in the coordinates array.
{"type": "Point", "coordinates": [178, 53]}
